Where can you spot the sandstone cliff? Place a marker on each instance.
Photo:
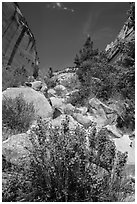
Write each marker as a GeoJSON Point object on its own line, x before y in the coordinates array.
{"type": "Point", "coordinates": [18, 42]}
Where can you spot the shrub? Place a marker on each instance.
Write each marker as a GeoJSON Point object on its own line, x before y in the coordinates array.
{"type": "Point", "coordinates": [17, 114]}
{"type": "Point", "coordinates": [13, 77]}
{"type": "Point", "coordinates": [50, 82]}
{"type": "Point", "coordinates": [65, 167]}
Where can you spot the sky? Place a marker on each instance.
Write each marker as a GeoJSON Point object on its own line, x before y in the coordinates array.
{"type": "Point", "coordinates": [60, 29]}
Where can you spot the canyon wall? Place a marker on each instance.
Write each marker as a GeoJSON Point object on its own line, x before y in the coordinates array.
{"type": "Point", "coordinates": [126, 34]}
{"type": "Point", "coordinates": [18, 42]}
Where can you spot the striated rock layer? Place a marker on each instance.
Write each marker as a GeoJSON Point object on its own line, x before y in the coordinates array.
{"type": "Point", "coordinates": [126, 34]}
{"type": "Point", "coordinates": [18, 42]}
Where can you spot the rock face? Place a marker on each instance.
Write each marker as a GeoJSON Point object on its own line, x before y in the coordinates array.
{"type": "Point", "coordinates": [41, 104]}
{"type": "Point", "coordinates": [18, 42]}
{"type": "Point", "coordinates": [127, 33]}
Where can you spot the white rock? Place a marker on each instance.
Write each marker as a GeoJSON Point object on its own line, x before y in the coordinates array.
{"type": "Point", "coordinates": [41, 104]}
{"type": "Point", "coordinates": [36, 85]}
{"type": "Point", "coordinates": [123, 144]}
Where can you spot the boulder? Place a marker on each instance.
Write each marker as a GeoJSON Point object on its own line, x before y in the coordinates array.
{"type": "Point", "coordinates": [51, 93]}
{"type": "Point", "coordinates": [83, 120]}
{"type": "Point", "coordinates": [36, 85]}
{"type": "Point", "coordinates": [60, 90]}
{"type": "Point", "coordinates": [56, 102]}
{"type": "Point", "coordinates": [97, 104]}
{"type": "Point", "coordinates": [123, 144]}
{"type": "Point", "coordinates": [116, 132]}
{"type": "Point", "coordinates": [82, 110]}
{"type": "Point", "coordinates": [14, 149]}
{"type": "Point", "coordinates": [41, 104]}
{"type": "Point", "coordinates": [68, 108]}
{"type": "Point", "coordinates": [104, 115]}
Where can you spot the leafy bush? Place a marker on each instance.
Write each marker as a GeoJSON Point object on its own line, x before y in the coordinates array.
{"type": "Point", "coordinates": [50, 82]}
{"type": "Point", "coordinates": [86, 53]}
{"type": "Point", "coordinates": [117, 78]}
{"type": "Point", "coordinates": [67, 167]}
{"type": "Point", "coordinates": [13, 77]}
{"type": "Point", "coordinates": [17, 114]}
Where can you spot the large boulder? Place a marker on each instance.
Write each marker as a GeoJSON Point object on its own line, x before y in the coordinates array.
{"type": "Point", "coordinates": [16, 148]}
{"type": "Point", "coordinates": [41, 104]}
{"type": "Point", "coordinates": [124, 144]}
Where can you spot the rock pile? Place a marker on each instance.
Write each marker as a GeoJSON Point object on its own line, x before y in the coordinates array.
{"type": "Point", "coordinates": [51, 105]}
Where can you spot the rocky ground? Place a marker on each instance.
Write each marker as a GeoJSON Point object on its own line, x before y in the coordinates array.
{"type": "Point", "coordinates": [52, 105]}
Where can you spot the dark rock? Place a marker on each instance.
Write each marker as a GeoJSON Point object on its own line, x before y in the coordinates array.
{"type": "Point", "coordinates": [18, 42]}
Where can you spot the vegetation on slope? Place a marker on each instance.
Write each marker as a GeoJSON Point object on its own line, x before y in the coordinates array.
{"type": "Point", "coordinates": [17, 114]}
{"type": "Point", "coordinates": [64, 168]}
{"type": "Point", "coordinates": [107, 80]}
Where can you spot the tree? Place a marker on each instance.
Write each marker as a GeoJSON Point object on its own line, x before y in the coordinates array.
{"type": "Point", "coordinates": [86, 53]}
{"type": "Point", "coordinates": [50, 72]}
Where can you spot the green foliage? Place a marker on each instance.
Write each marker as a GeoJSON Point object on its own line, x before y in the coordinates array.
{"type": "Point", "coordinates": [13, 77]}
{"type": "Point", "coordinates": [50, 72]}
{"type": "Point", "coordinates": [103, 80]}
{"type": "Point", "coordinates": [65, 167]}
{"type": "Point", "coordinates": [50, 82]}
{"type": "Point", "coordinates": [17, 114]}
{"type": "Point", "coordinates": [86, 53]}
{"type": "Point", "coordinates": [127, 119]}
{"type": "Point", "coordinates": [131, 14]}
{"type": "Point", "coordinates": [35, 71]}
